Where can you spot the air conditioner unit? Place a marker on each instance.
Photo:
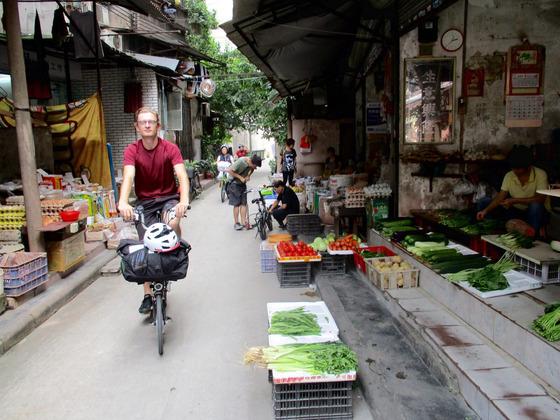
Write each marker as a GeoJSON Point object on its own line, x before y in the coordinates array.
{"type": "Point", "coordinates": [205, 109]}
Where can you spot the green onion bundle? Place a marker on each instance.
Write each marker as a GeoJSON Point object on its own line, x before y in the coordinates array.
{"type": "Point", "coordinates": [294, 322]}
{"type": "Point", "coordinates": [548, 325]}
{"type": "Point", "coordinates": [318, 358]}
{"type": "Point", "coordinates": [515, 240]}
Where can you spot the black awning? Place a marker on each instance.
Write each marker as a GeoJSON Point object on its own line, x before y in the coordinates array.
{"type": "Point", "coordinates": [301, 44]}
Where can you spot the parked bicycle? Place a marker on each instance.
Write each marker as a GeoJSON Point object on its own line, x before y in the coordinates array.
{"type": "Point", "coordinates": [194, 181]}
{"type": "Point", "coordinates": [140, 264]}
{"type": "Point", "coordinates": [263, 219]}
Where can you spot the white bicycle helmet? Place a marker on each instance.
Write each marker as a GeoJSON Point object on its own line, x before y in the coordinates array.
{"type": "Point", "coordinates": [159, 237]}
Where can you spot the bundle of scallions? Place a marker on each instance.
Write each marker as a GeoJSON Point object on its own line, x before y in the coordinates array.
{"type": "Point", "coordinates": [316, 358]}
{"type": "Point", "coordinates": [489, 278]}
{"type": "Point", "coordinates": [294, 322]}
{"type": "Point", "coordinates": [548, 325]}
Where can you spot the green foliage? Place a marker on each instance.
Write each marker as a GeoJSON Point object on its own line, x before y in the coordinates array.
{"type": "Point", "coordinates": [244, 97]}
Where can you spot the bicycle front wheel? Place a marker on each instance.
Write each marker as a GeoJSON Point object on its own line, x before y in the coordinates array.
{"type": "Point", "coordinates": [269, 221]}
{"type": "Point", "coordinates": [223, 195]}
{"type": "Point", "coordinates": [159, 323]}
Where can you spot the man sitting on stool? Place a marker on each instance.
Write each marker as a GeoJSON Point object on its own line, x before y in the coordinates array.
{"type": "Point", "coordinates": [289, 200]}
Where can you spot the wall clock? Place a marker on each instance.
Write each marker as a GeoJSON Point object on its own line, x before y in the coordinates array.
{"type": "Point", "coordinates": [452, 40]}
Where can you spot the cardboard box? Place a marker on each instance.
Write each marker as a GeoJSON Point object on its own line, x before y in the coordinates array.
{"type": "Point", "coordinates": [64, 254]}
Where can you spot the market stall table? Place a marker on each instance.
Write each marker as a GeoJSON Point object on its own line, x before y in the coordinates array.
{"type": "Point", "coordinates": [353, 218]}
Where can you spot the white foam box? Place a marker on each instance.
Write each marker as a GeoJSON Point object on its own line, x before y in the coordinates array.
{"type": "Point", "coordinates": [329, 329]}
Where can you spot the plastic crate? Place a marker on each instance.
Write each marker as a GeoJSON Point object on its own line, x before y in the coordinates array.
{"type": "Point", "coordinates": [30, 285]}
{"type": "Point", "coordinates": [332, 264]}
{"type": "Point", "coordinates": [392, 279]}
{"type": "Point", "coordinates": [294, 274]}
{"type": "Point", "coordinates": [359, 261]}
{"type": "Point", "coordinates": [547, 273]}
{"type": "Point", "coordinates": [304, 224]}
{"type": "Point", "coordinates": [268, 258]}
{"type": "Point", "coordinates": [19, 265]}
{"type": "Point", "coordinates": [320, 400]}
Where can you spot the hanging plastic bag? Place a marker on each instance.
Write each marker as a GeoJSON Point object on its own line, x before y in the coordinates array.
{"type": "Point", "coordinates": [307, 139]}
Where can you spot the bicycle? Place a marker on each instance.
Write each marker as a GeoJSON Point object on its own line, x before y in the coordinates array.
{"type": "Point", "coordinates": [194, 181]}
{"type": "Point", "coordinates": [159, 287]}
{"type": "Point", "coordinates": [222, 166]}
{"type": "Point", "coordinates": [263, 219]}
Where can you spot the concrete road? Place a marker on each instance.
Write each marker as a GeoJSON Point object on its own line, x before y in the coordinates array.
{"type": "Point", "coordinates": [96, 358]}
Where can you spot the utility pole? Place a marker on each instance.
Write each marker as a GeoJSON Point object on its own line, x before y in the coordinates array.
{"type": "Point", "coordinates": [24, 131]}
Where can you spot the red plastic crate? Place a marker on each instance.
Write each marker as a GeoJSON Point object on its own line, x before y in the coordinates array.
{"type": "Point", "coordinates": [359, 260]}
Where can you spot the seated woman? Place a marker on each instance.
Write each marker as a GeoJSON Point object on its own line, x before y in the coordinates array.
{"type": "Point", "coordinates": [518, 198]}
{"type": "Point", "coordinates": [289, 200]}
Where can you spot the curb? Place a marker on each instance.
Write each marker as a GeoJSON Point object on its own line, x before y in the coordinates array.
{"type": "Point", "coordinates": [16, 324]}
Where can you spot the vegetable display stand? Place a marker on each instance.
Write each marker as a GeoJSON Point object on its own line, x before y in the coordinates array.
{"type": "Point", "coordinates": [320, 400]}
{"type": "Point", "coordinates": [332, 265]}
{"type": "Point", "coordinates": [304, 224]}
{"type": "Point", "coordinates": [294, 274]}
{"type": "Point", "coordinates": [360, 261]}
{"type": "Point", "coordinates": [268, 257]}
{"type": "Point", "coordinates": [540, 261]}
{"type": "Point", "coordinates": [384, 280]}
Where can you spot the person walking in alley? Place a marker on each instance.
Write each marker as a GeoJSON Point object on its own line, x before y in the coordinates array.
{"type": "Point", "coordinates": [288, 162]}
{"type": "Point", "coordinates": [289, 200]}
{"type": "Point", "coordinates": [152, 163]}
{"type": "Point", "coordinates": [241, 172]}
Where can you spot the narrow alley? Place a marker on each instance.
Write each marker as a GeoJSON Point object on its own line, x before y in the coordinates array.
{"type": "Point", "coordinates": [96, 358]}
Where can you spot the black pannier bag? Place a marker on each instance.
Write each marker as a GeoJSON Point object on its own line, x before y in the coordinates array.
{"type": "Point", "coordinates": [139, 265]}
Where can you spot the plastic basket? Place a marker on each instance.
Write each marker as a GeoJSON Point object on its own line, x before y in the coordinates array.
{"type": "Point", "coordinates": [359, 261]}
{"type": "Point", "coordinates": [26, 287]}
{"type": "Point", "coordinates": [403, 279]}
{"type": "Point", "coordinates": [332, 264]}
{"type": "Point", "coordinates": [320, 400]}
{"type": "Point", "coordinates": [304, 224]}
{"type": "Point", "coordinates": [547, 273]}
{"type": "Point", "coordinates": [294, 274]}
{"type": "Point", "coordinates": [268, 258]}
{"type": "Point", "coordinates": [18, 266]}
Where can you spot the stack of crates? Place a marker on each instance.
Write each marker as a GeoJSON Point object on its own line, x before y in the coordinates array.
{"type": "Point", "coordinates": [321, 400]}
{"type": "Point", "coordinates": [332, 265]}
{"type": "Point", "coordinates": [296, 274]}
{"type": "Point", "coordinates": [546, 272]}
{"type": "Point", "coordinates": [23, 271]}
{"type": "Point", "coordinates": [304, 224]}
{"type": "Point", "coordinates": [268, 258]}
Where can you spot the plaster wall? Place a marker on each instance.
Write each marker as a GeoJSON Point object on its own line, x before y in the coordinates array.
{"type": "Point", "coordinates": [327, 133]}
{"type": "Point", "coordinates": [493, 27]}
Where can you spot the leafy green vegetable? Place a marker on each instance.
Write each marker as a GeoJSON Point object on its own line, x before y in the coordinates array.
{"type": "Point", "coordinates": [294, 322]}
{"type": "Point", "coordinates": [515, 240]}
{"type": "Point", "coordinates": [318, 358]}
{"type": "Point", "coordinates": [488, 278]}
{"type": "Point", "coordinates": [548, 325]}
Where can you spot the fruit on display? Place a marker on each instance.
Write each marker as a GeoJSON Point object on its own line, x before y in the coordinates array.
{"type": "Point", "coordinates": [290, 250]}
{"type": "Point", "coordinates": [390, 264]}
{"type": "Point", "coordinates": [345, 243]}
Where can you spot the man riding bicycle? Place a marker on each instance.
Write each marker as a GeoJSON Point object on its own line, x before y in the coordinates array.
{"type": "Point", "coordinates": [152, 163]}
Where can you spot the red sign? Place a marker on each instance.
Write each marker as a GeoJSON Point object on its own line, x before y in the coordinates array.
{"type": "Point", "coordinates": [473, 82]}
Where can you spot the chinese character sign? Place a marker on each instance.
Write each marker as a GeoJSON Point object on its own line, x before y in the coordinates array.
{"type": "Point", "coordinates": [428, 100]}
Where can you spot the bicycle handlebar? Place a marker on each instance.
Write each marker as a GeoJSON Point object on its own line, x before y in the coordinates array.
{"type": "Point", "coordinates": [139, 214]}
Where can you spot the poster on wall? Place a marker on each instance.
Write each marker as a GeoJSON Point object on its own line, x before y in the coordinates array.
{"type": "Point", "coordinates": [376, 123]}
{"type": "Point", "coordinates": [473, 82]}
{"type": "Point", "coordinates": [525, 70]}
{"type": "Point", "coordinates": [524, 111]}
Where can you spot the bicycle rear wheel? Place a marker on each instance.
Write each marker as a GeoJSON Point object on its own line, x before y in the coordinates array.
{"type": "Point", "coordinates": [159, 323]}
{"type": "Point", "coordinates": [261, 228]}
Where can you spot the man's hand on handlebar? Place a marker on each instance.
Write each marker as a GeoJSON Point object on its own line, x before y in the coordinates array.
{"type": "Point", "coordinates": [181, 210]}
{"type": "Point", "coordinates": [126, 211]}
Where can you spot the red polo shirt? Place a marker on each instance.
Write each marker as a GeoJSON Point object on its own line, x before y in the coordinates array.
{"type": "Point", "coordinates": [154, 168]}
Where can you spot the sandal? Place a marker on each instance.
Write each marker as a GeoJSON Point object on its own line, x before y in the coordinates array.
{"type": "Point", "coordinates": [248, 226]}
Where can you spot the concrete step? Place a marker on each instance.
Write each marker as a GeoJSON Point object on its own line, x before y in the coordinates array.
{"type": "Point", "coordinates": [504, 321]}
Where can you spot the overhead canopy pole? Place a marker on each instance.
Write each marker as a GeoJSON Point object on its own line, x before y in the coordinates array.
{"type": "Point", "coordinates": [24, 131]}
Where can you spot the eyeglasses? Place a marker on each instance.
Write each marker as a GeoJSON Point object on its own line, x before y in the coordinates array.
{"type": "Point", "coordinates": [147, 122]}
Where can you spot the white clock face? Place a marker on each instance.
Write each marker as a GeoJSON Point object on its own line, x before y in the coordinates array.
{"type": "Point", "coordinates": [452, 40]}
